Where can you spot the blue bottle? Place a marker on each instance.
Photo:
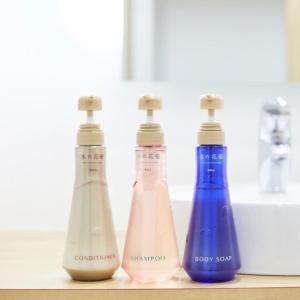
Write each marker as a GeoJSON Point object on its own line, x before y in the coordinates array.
{"type": "Point", "coordinates": [211, 251]}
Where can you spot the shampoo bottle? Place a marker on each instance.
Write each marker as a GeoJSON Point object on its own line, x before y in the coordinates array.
{"type": "Point", "coordinates": [211, 252]}
{"type": "Point", "coordinates": [151, 252]}
{"type": "Point", "coordinates": [91, 249]}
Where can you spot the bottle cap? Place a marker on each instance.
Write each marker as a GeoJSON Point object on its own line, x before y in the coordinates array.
{"type": "Point", "coordinates": [90, 133]}
{"type": "Point", "coordinates": [210, 132]}
{"type": "Point", "coordinates": [150, 132]}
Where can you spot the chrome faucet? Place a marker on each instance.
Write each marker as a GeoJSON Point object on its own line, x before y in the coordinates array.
{"type": "Point", "coordinates": [274, 146]}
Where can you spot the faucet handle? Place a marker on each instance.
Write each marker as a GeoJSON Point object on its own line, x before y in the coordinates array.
{"type": "Point", "coordinates": [275, 121]}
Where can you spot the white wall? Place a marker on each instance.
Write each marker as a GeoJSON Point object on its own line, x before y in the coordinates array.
{"type": "Point", "coordinates": [52, 53]}
{"type": "Point", "coordinates": [220, 41]}
{"type": "Point", "coordinates": [38, 130]}
{"type": "Point", "coordinates": [44, 41]}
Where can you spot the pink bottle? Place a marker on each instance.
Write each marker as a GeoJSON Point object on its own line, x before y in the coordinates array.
{"type": "Point", "coordinates": [151, 252]}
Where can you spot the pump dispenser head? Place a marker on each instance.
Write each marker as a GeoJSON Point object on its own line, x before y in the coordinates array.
{"type": "Point", "coordinates": [90, 133]}
{"type": "Point", "coordinates": [150, 133]}
{"type": "Point", "coordinates": [211, 132]}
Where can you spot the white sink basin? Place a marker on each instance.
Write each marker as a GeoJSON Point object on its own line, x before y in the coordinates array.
{"type": "Point", "coordinates": [268, 227]}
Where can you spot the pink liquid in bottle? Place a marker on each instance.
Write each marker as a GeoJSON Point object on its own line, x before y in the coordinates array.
{"type": "Point", "coordinates": [151, 252]}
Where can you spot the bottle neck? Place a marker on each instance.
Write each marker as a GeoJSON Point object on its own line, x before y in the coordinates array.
{"type": "Point", "coordinates": [90, 163]}
{"type": "Point", "coordinates": [151, 162]}
{"type": "Point", "coordinates": [211, 166]}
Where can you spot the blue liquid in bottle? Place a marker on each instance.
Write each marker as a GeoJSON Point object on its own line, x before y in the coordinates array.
{"type": "Point", "coordinates": [211, 252]}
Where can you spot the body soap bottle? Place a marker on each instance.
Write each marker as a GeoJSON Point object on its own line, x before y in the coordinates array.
{"type": "Point", "coordinates": [151, 252]}
{"type": "Point", "coordinates": [211, 252]}
{"type": "Point", "coordinates": [91, 249]}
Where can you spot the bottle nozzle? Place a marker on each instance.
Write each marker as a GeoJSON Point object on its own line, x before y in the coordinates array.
{"type": "Point", "coordinates": [90, 133]}
{"type": "Point", "coordinates": [150, 133]}
{"type": "Point", "coordinates": [211, 103]}
{"type": "Point", "coordinates": [211, 133]}
{"type": "Point", "coordinates": [150, 103]}
{"type": "Point", "coordinates": [90, 104]}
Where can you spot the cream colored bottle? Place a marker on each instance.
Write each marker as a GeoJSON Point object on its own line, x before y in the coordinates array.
{"type": "Point", "coordinates": [91, 249]}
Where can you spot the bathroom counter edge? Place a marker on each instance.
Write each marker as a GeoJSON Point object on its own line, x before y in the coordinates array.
{"type": "Point", "coordinates": [31, 269]}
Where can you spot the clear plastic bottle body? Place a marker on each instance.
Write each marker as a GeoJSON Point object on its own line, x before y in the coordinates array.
{"type": "Point", "coordinates": [211, 252]}
{"type": "Point", "coordinates": [151, 252]}
{"type": "Point", "coordinates": [91, 250]}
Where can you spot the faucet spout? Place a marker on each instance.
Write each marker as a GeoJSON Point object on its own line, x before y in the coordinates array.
{"type": "Point", "coordinates": [274, 146]}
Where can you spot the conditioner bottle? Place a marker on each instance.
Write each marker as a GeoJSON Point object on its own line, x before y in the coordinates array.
{"type": "Point", "coordinates": [91, 249]}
